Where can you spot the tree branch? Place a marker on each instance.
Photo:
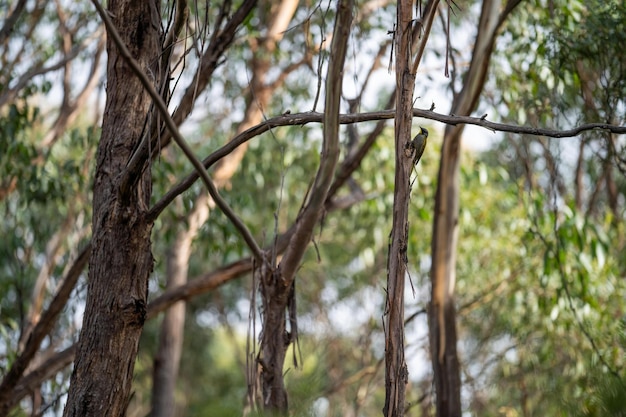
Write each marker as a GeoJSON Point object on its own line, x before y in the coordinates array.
{"type": "Point", "coordinates": [42, 328]}
{"type": "Point", "coordinates": [396, 372]}
{"type": "Point", "coordinates": [178, 138]}
{"type": "Point", "coordinates": [424, 24]}
{"type": "Point", "coordinates": [70, 107]}
{"type": "Point", "coordinates": [10, 21]}
{"type": "Point", "coordinates": [214, 279]}
{"type": "Point", "coordinates": [301, 119]}
{"type": "Point", "coordinates": [40, 70]}
{"type": "Point", "coordinates": [45, 371]}
{"type": "Point", "coordinates": [199, 285]}
{"type": "Point", "coordinates": [220, 42]}
{"type": "Point", "coordinates": [330, 146]}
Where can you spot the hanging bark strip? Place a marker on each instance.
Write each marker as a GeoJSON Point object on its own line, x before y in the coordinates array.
{"type": "Point", "coordinates": [396, 373]}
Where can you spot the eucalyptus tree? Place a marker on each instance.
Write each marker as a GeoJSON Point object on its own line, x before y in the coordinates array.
{"type": "Point", "coordinates": [247, 79]}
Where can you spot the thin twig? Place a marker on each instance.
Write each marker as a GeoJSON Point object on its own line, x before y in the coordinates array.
{"type": "Point", "coordinates": [171, 125]}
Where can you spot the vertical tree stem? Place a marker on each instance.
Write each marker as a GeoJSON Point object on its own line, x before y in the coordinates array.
{"type": "Point", "coordinates": [396, 373]}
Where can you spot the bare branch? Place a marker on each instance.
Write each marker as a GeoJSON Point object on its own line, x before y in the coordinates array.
{"type": "Point", "coordinates": [9, 62]}
{"type": "Point", "coordinates": [353, 159]}
{"type": "Point", "coordinates": [71, 107]}
{"type": "Point", "coordinates": [220, 42]}
{"type": "Point", "coordinates": [210, 60]}
{"type": "Point", "coordinates": [43, 372]}
{"type": "Point", "coordinates": [300, 119]}
{"type": "Point", "coordinates": [330, 146]}
{"type": "Point", "coordinates": [424, 25]}
{"type": "Point", "coordinates": [10, 21]}
{"type": "Point", "coordinates": [182, 14]}
{"type": "Point", "coordinates": [199, 285]}
{"type": "Point", "coordinates": [259, 93]}
{"type": "Point", "coordinates": [180, 141]}
{"type": "Point", "coordinates": [40, 70]}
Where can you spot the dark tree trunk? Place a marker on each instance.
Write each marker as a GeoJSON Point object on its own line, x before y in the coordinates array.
{"type": "Point", "coordinates": [121, 260]}
{"type": "Point", "coordinates": [396, 373]}
{"type": "Point", "coordinates": [274, 342]}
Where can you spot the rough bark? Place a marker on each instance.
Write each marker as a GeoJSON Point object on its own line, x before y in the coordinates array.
{"type": "Point", "coordinates": [277, 285]}
{"type": "Point", "coordinates": [121, 260]}
{"type": "Point", "coordinates": [396, 373]}
{"type": "Point", "coordinates": [442, 317]}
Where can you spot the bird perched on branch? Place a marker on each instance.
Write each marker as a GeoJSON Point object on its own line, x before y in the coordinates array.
{"type": "Point", "coordinates": [419, 144]}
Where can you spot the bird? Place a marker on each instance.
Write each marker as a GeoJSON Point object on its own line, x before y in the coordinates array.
{"type": "Point", "coordinates": [419, 144]}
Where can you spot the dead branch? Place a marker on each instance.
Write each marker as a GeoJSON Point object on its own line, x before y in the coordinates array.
{"type": "Point", "coordinates": [220, 42]}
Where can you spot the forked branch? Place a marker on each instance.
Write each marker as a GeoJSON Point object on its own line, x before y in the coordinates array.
{"type": "Point", "coordinates": [178, 138]}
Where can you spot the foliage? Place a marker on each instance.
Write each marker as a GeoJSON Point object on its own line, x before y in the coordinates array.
{"type": "Point", "coordinates": [564, 331]}
{"type": "Point", "coordinates": [563, 325]}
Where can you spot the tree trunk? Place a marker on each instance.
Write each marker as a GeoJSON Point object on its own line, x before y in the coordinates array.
{"type": "Point", "coordinates": [170, 342]}
{"type": "Point", "coordinates": [274, 342]}
{"type": "Point", "coordinates": [167, 358]}
{"type": "Point", "coordinates": [277, 284]}
{"type": "Point", "coordinates": [121, 260]}
{"type": "Point", "coordinates": [396, 373]}
{"type": "Point", "coordinates": [442, 315]}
